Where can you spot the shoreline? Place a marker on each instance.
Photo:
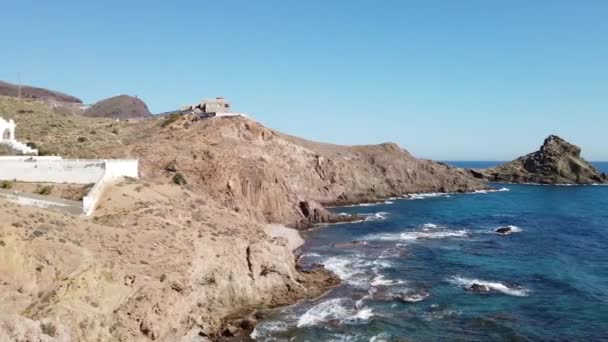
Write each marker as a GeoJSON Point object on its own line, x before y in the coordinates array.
{"type": "Point", "coordinates": [294, 240]}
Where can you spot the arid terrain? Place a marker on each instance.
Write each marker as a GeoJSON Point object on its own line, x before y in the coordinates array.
{"type": "Point", "coordinates": [171, 256]}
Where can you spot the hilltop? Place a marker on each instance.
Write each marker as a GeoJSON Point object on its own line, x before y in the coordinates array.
{"type": "Point", "coordinates": [29, 92]}
{"type": "Point", "coordinates": [119, 107]}
{"type": "Point", "coordinates": [556, 162]}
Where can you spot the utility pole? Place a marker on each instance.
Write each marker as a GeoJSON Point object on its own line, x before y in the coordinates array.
{"type": "Point", "coordinates": [19, 85]}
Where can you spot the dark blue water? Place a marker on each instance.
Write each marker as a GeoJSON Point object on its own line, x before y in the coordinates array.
{"type": "Point", "coordinates": [409, 276]}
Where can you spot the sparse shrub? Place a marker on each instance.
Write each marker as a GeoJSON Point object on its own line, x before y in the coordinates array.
{"type": "Point", "coordinates": [115, 131]}
{"type": "Point", "coordinates": [48, 329]}
{"type": "Point", "coordinates": [32, 145]}
{"type": "Point", "coordinates": [44, 189]}
{"type": "Point", "coordinates": [170, 119]}
{"type": "Point", "coordinates": [179, 179]}
{"type": "Point", "coordinates": [81, 139]}
{"type": "Point", "coordinates": [6, 184]}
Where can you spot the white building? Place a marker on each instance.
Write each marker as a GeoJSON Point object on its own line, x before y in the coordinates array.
{"type": "Point", "coordinates": [7, 137]}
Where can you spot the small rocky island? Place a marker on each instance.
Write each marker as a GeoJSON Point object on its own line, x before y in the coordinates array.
{"type": "Point", "coordinates": [557, 162]}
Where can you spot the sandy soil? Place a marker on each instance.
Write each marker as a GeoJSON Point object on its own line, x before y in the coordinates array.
{"type": "Point", "coordinates": [293, 237]}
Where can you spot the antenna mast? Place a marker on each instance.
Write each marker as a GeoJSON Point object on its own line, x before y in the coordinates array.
{"type": "Point", "coordinates": [19, 85]}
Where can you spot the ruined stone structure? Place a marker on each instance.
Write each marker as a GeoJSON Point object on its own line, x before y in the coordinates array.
{"type": "Point", "coordinates": [7, 137]}
{"type": "Point", "coordinates": [219, 105]}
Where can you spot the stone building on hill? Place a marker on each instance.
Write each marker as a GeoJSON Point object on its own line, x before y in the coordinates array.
{"type": "Point", "coordinates": [213, 107]}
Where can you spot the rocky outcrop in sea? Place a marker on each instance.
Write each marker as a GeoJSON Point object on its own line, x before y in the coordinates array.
{"type": "Point", "coordinates": [556, 162]}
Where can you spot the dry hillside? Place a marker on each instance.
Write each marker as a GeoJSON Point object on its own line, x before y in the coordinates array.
{"type": "Point", "coordinates": [170, 256]}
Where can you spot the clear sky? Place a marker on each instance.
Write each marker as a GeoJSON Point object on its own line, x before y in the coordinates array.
{"type": "Point", "coordinates": [450, 80]}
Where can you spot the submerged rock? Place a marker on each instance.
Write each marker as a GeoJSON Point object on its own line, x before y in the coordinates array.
{"type": "Point", "coordinates": [504, 230]}
{"type": "Point", "coordinates": [479, 288]}
{"type": "Point", "coordinates": [411, 297]}
{"type": "Point", "coordinates": [556, 162]}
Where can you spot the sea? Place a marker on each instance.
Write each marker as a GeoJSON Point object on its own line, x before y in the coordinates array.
{"type": "Point", "coordinates": [408, 268]}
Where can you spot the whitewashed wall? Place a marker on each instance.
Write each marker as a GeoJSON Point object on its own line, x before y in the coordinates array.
{"type": "Point", "coordinates": [53, 171]}
{"type": "Point", "coordinates": [57, 170]}
{"type": "Point", "coordinates": [114, 169]}
{"type": "Point", "coordinates": [13, 158]}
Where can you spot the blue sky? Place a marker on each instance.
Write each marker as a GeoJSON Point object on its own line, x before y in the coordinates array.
{"type": "Point", "coordinates": [449, 80]}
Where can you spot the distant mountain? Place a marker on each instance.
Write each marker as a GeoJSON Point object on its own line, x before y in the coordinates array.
{"type": "Point", "coordinates": [556, 162]}
{"type": "Point", "coordinates": [27, 92]}
{"type": "Point", "coordinates": [119, 107]}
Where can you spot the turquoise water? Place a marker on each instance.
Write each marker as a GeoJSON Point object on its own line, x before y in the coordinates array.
{"type": "Point", "coordinates": [409, 276]}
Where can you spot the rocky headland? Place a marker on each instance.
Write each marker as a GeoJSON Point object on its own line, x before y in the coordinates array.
{"type": "Point", "coordinates": [185, 251]}
{"type": "Point", "coordinates": [556, 162]}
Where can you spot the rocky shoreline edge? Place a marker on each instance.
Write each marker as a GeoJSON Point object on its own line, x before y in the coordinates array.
{"type": "Point", "coordinates": [239, 325]}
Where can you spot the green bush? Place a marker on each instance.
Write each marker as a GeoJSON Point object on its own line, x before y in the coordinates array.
{"type": "Point", "coordinates": [44, 189]}
{"type": "Point", "coordinates": [179, 179]}
{"type": "Point", "coordinates": [170, 119]}
{"type": "Point", "coordinates": [6, 184]}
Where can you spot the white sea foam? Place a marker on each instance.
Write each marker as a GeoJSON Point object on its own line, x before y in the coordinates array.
{"type": "Point", "coordinates": [414, 297]}
{"type": "Point", "coordinates": [266, 329]}
{"type": "Point", "coordinates": [493, 285]}
{"type": "Point", "coordinates": [514, 229]}
{"type": "Point", "coordinates": [417, 235]}
{"type": "Point", "coordinates": [375, 216]}
{"type": "Point", "coordinates": [310, 255]}
{"type": "Point", "coordinates": [426, 195]}
{"type": "Point", "coordinates": [380, 280]}
{"type": "Point", "coordinates": [352, 269]}
{"type": "Point", "coordinates": [334, 309]}
{"type": "Point", "coordinates": [489, 191]}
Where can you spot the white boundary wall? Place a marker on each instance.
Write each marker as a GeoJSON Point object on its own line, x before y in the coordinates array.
{"type": "Point", "coordinates": [72, 171]}
{"type": "Point", "coordinates": [13, 158]}
{"type": "Point", "coordinates": [102, 172]}
{"type": "Point", "coordinates": [114, 169]}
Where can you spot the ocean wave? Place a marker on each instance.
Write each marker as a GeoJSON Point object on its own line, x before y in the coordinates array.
{"type": "Point", "coordinates": [430, 226]}
{"type": "Point", "coordinates": [265, 329]}
{"type": "Point", "coordinates": [370, 204]}
{"type": "Point", "coordinates": [352, 270]}
{"type": "Point", "coordinates": [492, 285]}
{"type": "Point", "coordinates": [340, 309]}
{"type": "Point", "coordinates": [375, 216]}
{"type": "Point", "coordinates": [417, 235]}
{"type": "Point", "coordinates": [426, 195]}
{"type": "Point", "coordinates": [489, 191]}
{"type": "Point", "coordinates": [381, 280]}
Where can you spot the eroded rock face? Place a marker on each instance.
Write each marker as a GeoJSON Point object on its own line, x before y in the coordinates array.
{"type": "Point", "coordinates": [156, 262]}
{"type": "Point", "coordinates": [556, 162]}
{"type": "Point", "coordinates": [273, 177]}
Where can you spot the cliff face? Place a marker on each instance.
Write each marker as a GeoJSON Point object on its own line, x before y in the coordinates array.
{"type": "Point", "coordinates": [556, 162]}
{"type": "Point", "coordinates": [154, 263]}
{"type": "Point", "coordinates": [273, 177]}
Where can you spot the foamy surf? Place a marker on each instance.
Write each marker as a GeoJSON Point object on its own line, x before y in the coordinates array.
{"type": "Point", "coordinates": [426, 195]}
{"type": "Point", "coordinates": [376, 216]}
{"type": "Point", "coordinates": [417, 235]}
{"type": "Point", "coordinates": [339, 309]}
{"type": "Point", "coordinates": [489, 191]}
{"type": "Point", "coordinates": [492, 285]}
